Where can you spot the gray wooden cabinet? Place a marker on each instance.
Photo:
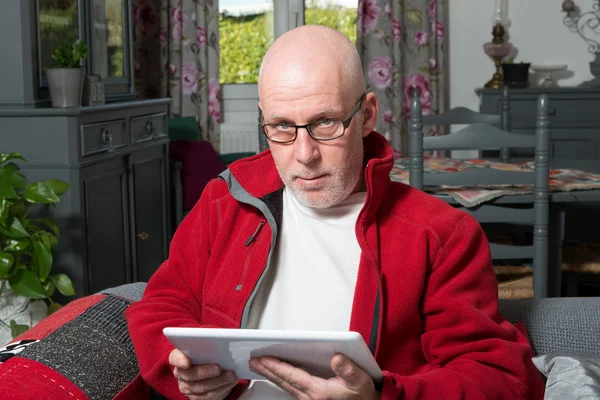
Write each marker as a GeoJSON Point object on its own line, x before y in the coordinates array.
{"type": "Point", "coordinates": [574, 117]}
{"type": "Point", "coordinates": [114, 219]}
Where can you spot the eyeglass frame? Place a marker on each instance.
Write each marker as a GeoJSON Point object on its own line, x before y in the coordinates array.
{"type": "Point", "coordinates": [345, 123]}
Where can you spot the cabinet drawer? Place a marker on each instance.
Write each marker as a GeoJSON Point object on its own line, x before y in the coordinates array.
{"type": "Point", "coordinates": [103, 136]}
{"type": "Point", "coordinates": [148, 127]}
{"type": "Point", "coordinates": [575, 149]}
{"type": "Point", "coordinates": [564, 113]}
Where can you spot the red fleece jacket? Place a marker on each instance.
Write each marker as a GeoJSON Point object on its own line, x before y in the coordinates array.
{"type": "Point", "coordinates": [425, 298]}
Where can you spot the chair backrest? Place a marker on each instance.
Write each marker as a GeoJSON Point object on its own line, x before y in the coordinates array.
{"type": "Point", "coordinates": [481, 136]}
{"type": "Point", "coordinates": [466, 116]}
{"type": "Point", "coordinates": [183, 128]}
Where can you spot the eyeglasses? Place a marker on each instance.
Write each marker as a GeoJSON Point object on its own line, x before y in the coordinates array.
{"type": "Point", "coordinates": [324, 129]}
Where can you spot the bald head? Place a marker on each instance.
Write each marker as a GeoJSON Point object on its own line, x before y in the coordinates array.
{"type": "Point", "coordinates": [312, 54]}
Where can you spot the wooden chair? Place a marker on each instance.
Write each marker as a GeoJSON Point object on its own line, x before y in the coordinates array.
{"type": "Point", "coordinates": [483, 136]}
{"type": "Point", "coordinates": [466, 116]}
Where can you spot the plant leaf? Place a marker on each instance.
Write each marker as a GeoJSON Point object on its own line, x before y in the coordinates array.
{"type": "Point", "coordinates": [45, 237]}
{"type": "Point", "coordinates": [18, 209]}
{"type": "Point", "coordinates": [54, 307]}
{"type": "Point", "coordinates": [49, 288]}
{"type": "Point", "coordinates": [58, 187]}
{"type": "Point", "coordinates": [40, 193]}
{"type": "Point", "coordinates": [12, 177]}
{"type": "Point", "coordinates": [6, 190]}
{"type": "Point", "coordinates": [17, 230]}
{"type": "Point", "coordinates": [6, 262]}
{"type": "Point", "coordinates": [14, 229]}
{"type": "Point", "coordinates": [53, 242]}
{"type": "Point", "coordinates": [15, 268]}
{"type": "Point", "coordinates": [4, 209]}
{"type": "Point", "coordinates": [12, 167]}
{"type": "Point", "coordinates": [15, 245]}
{"type": "Point", "coordinates": [11, 156]}
{"type": "Point", "coordinates": [63, 284]}
{"type": "Point", "coordinates": [25, 283]}
{"type": "Point", "coordinates": [17, 329]}
{"type": "Point", "coordinates": [42, 260]}
{"type": "Point", "coordinates": [52, 225]}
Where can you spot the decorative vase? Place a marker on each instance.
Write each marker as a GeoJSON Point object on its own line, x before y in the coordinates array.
{"type": "Point", "coordinates": [22, 310]}
{"type": "Point", "coordinates": [65, 86]}
{"type": "Point", "coordinates": [516, 75]}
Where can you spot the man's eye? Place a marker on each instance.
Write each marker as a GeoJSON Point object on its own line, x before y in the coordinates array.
{"type": "Point", "coordinates": [283, 126]}
{"type": "Point", "coordinates": [325, 122]}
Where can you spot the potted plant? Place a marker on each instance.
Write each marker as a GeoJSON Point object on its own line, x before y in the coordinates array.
{"type": "Point", "coordinates": [515, 75]}
{"type": "Point", "coordinates": [27, 240]}
{"type": "Point", "coordinates": [65, 79]}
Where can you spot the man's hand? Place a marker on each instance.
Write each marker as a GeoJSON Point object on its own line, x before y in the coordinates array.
{"type": "Point", "coordinates": [201, 382]}
{"type": "Point", "coordinates": [350, 381]}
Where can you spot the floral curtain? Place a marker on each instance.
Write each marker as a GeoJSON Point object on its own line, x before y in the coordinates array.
{"type": "Point", "coordinates": [401, 43]}
{"type": "Point", "coordinates": [176, 55]}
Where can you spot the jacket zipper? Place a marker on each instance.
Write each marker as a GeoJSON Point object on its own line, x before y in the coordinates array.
{"type": "Point", "coordinates": [255, 234]}
{"type": "Point", "coordinates": [248, 242]}
{"type": "Point", "coordinates": [377, 315]}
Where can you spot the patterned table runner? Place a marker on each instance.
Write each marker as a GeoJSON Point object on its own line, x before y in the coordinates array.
{"type": "Point", "coordinates": [561, 180]}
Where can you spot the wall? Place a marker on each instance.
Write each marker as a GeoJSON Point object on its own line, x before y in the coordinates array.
{"type": "Point", "coordinates": [536, 30]}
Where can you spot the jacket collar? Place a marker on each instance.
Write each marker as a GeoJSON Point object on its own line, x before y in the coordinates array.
{"type": "Point", "coordinates": [378, 157]}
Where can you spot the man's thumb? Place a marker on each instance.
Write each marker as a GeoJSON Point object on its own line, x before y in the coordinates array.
{"type": "Point", "coordinates": [344, 368]}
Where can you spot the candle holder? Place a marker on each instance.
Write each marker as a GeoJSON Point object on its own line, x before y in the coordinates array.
{"type": "Point", "coordinates": [497, 49]}
{"type": "Point", "coordinates": [586, 25]}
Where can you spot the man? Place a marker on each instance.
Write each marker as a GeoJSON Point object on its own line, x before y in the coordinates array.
{"type": "Point", "coordinates": [313, 235]}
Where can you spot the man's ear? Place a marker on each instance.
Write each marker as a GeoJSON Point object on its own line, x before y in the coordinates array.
{"type": "Point", "coordinates": [371, 108]}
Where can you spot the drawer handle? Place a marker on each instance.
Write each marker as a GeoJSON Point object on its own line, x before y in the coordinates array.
{"type": "Point", "coordinates": [149, 128]}
{"type": "Point", "coordinates": [143, 235]}
{"type": "Point", "coordinates": [107, 139]}
{"type": "Point", "coordinates": [150, 131]}
{"type": "Point", "coordinates": [551, 111]}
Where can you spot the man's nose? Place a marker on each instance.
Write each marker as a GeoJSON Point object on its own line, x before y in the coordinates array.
{"type": "Point", "coordinates": [306, 149]}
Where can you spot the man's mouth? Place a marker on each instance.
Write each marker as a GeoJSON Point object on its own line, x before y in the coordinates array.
{"type": "Point", "coordinates": [310, 179]}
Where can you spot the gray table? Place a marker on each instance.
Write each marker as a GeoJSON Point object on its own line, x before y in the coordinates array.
{"type": "Point", "coordinates": [558, 206]}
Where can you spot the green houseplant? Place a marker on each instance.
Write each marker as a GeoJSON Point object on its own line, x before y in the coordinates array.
{"type": "Point", "coordinates": [27, 239]}
{"type": "Point", "coordinates": [69, 55]}
{"type": "Point", "coordinates": [65, 79]}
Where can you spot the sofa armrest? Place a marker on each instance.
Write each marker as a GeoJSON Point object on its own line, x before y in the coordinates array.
{"type": "Point", "coordinates": [569, 323]}
{"type": "Point", "coordinates": [81, 351]}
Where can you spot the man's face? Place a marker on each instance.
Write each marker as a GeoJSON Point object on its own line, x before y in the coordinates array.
{"type": "Point", "coordinates": [320, 174]}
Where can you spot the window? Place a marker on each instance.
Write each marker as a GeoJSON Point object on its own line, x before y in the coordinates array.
{"type": "Point", "coordinates": [249, 27]}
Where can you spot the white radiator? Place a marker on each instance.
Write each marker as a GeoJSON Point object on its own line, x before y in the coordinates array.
{"type": "Point", "coordinates": [236, 138]}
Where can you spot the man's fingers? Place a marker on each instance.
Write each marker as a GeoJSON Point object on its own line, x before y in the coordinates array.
{"type": "Point", "coordinates": [291, 379]}
{"type": "Point", "coordinates": [178, 359]}
{"type": "Point", "coordinates": [224, 391]}
{"type": "Point", "coordinates": [197, 372]}
{"type": "Point", "coordinates": [212, 387]}
{"type": "Point", "coordinates": [344, 368]}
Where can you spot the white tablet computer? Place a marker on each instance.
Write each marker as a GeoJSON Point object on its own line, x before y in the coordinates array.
{"type": "Point", "coordinates": [309, 350]}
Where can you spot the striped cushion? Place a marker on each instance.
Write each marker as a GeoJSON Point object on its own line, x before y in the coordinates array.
{"type": "Point", "coordinates": [82, 351]}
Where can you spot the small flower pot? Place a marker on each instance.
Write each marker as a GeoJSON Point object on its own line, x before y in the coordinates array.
{"type": "Point", "coordinates": [65, 85]}
{"type": "Point", "coordinates": [516, 75]}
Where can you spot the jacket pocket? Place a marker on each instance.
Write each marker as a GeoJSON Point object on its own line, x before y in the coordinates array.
{"type": "Point", "coordinates": [249, 243]}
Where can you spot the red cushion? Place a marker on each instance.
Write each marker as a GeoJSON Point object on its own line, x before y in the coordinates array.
{"type": "Point", "coordinates": [23, 379]}
{"type": "Point", "coordinates": [81, 351]}
{"type": "Point", "coordinates": [200, 162]}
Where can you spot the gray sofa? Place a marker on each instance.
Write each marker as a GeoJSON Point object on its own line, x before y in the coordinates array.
{"type": "Point", "coordinates": [96, 356]}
